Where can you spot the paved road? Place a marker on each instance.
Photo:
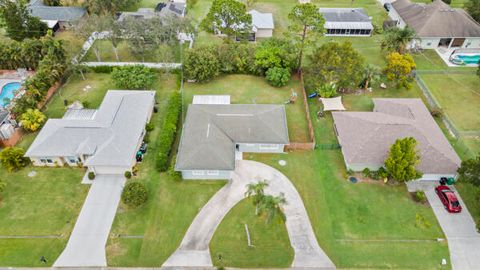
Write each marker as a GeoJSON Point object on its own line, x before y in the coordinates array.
{"type": "Point", "coordinates": [86, 246]}
{"type": "Point", "coordinates": [459, 229]}
{"type": "Point", "coordinates": [194, 251]}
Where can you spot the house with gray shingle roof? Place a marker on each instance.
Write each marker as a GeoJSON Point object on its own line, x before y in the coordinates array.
{"type": "Point", "coordinates": [437, 24]}
{"type": "Point", "coordinates": [105, 140]}
{"type": "Point", "coordinates": [215, 134]}
{"type": "Point", "coordinates": [56, 17]}
{"type": "Point", "coordinates": [366, 137]}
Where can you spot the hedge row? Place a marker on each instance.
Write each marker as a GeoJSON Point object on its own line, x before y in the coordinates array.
{"type": "Point", "coordinates": [168, 131]}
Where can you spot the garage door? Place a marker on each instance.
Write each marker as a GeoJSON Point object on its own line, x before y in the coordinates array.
{"type": "Point", "coordinates": [110, 170]}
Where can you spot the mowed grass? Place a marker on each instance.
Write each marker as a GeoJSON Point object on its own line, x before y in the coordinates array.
{"type": "Point", "coordinates": [246, 89]}
{"type": "Point", "coordinates": [44, 205]}
{"type": "Point", "coordinates": [171, 207]}
{"type": "Point", "coordinates": [458, 96]}
{"type": "Point", "coordinates": [271, 245]}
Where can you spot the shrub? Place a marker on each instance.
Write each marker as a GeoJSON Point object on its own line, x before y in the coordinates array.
{"type": "Point", "coordinates": [86, 104]}
{"type": "Point", "coordinates": [12, 158]}
{"type": "Point", "coordinates": [177, 176]}
{"type": "Point", "coordinates": [327, 90]}
{"type": "Point", "coordinates": [32, 119]}
{"type": "Point", "coordinates": [278, 76]}
{"type": "Point", "coordinates": [366, 172]}
{"type": "Point", "coordinates": [478, 224]}
{"type": "Point", "coordinates": [134, 194]}
{"type": "Point", "coordinates": [91, 175]}
{"type": "Point", "coordinates": [146, 138]}
{"type": "Point", "coordinates": [168, 131]}
{"type": "Point", "coordinates": [420, 196]}
{"type": "Point", "coordinates": [3, 185]}
{"type": "Point", "coordinates": [133, 77]}
{"type": "Point", "coordinates": [382, 173]}
{"type": "Point", "coordinates": [149, 127]}
{"type": "Point", "coordinates": [128, 174]}
{"type": "Point", "coordinates": [201, 64]}
{"type": "Point", "coordinates": [102, 69]}
{"type": "Point", "coordinates": [436, 112]}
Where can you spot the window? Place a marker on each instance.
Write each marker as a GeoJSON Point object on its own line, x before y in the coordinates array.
{"type": "Point", "coordinates": [49, 160]}
{"type": "Point", "coordinates": [213, 172]}
{"type": "Point", "coordinates": [72, 159]}
{"type": "Point", "coordinates": [43, 160]}
{"type": "Point", "coordinates": [198, 172]}
{"type": "Point", "coordinates": [268, 146]}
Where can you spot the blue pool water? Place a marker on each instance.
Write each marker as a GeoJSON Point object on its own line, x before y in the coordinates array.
{"type": "Point", "coordinates": [468, 59]}
{"type": "Point", "coordinates": [8, 92]}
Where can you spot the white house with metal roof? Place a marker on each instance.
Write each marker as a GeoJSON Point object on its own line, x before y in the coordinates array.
{"type": "Point", "coordinates": [262, 24]}
{"type": "Point", "coordinates": [105, 140]}
{"type": "Point", "coordinates": [347, 22]}
{"type": "Point", "coordinates": [214, 135]}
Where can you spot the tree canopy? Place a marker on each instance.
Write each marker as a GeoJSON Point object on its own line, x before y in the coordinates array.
{"type": "Point", "coordinates": [108, 6]}
{"type": "Point", "coordinates": [12, 158]}
{"type": "Point", "coordinates": [402, 159]}
{"type": "Point", "coordinates": [19, 24]}
{"type": "Point", "coordinates": [201, 64]}
{"type": "Point", "coordinates": [469, 171]}
{"type": "Point", "coordinates": [473, 8]}
{"type": "Point", "coordinates": [32, 119]}
{"type": "Point", "coordinates": [399, 69]}
{"type": "Point", "coordinates": [228, 17]}
{"type": "Point", "coordinates": [334, 63]}
{"type": "Point", "coordinates": [396, 39]}
{"type": "Point", "coordinates": [133, 77]}
{"type": "Point", "coordinates": [275, 52]}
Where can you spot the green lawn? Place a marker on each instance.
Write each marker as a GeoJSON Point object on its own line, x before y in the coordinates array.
{"type": "Point", "coordinates": [429, 60]}
{"type": "Point", "coordinates": [246, 89]}
{"type": "Point", "coordinates": [271, 246]}
{"type": "Point", "coordinates": [458, 96]}
{"type": "Point", "coordinates": [46, 204]}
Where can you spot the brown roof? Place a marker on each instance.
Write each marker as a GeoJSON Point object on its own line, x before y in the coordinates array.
{"type": "Point", "coordinates": [366, 137]}
{"type": "Point", "coordinates": [437, 19]}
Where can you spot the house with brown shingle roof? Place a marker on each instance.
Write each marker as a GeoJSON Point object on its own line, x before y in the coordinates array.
{"type": "Point", "coordinates": [437, 24]}
{"type": "Point", "coordinates": [366, 137]}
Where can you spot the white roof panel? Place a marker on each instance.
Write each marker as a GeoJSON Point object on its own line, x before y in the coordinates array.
{"type": "Point", "coordinates": [211, 99]}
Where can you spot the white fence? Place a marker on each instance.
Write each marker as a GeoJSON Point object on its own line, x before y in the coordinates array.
{"type": "Point", "coordinates": [121, 64]}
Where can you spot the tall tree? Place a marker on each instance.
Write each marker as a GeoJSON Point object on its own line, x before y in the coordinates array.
{"type": "Point", "coordinates": [469, 171]}
{"type": "Point", "coordinates": [19, 24]}
{"type": "Point", "coordinates": [402, 160]}
{"type": "Point", "coordinates": [85, 28]}
{"type": "Point", "coordinates": [275, 52]}
{"type": "Point", "coordinates": [473, 8]}
{"type": "Point", "coordinates": [334, 63]}
{"type": "Point", "coordinates": [256, 191]}
{"type": "Point", "coordinates": [108, 6]}
{"type": "Point", "coordinates": [370, 74]}
{"type": "Point", "coordinates": [115, 33]}
{"type": "Point", "coordinates": [12, 158]}
{"type": "Point", "coordinates": [52, 2]}
{"type": "Point", "coordinates": [271, 206]}
{"type": "Point", "coordinates": [399, 69]}
{"type": "Point", "coordinates": [396, 39]}
{"type": "Point", "coordinates": [228, 17]}
{"type": "Point", "coordinates": [32, 119]}
{"type": "Point", "coordinates": [306, 23]}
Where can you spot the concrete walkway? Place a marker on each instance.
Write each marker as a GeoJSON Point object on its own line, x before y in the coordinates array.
{"type": "Point", "coordinates": [459, 229]}
{"type": "Point", "coordinates": [194, 248]}
{"type": "Point", "coordinates": [86, 246]}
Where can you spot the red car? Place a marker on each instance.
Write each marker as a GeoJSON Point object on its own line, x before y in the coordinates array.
{"type": "Point", "coordinates": [448, 198]}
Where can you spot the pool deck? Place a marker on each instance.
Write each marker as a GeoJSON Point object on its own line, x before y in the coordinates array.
{"type": "Point", "coordinates": [445, 53]}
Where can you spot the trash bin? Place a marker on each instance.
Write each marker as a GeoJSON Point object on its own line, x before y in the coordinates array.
{"type": "Point", "coordinates": [450, 180]}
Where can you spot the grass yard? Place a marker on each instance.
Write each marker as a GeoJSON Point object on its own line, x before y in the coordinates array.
{"type": "Point", "coordinates": [72, 43]}
{"type": "Point", "coordinates": [246, 89]}
{"type": "Point", "coordinates": [107, 54]}
{"type": "Point", "coordinates": [429, 60]}
{"type": "Point", "coordinates": [271, 246]}
{"type": "Point", "coordinates": [458, 96]}
{"type": "Point", "coordinates": [44, 205]}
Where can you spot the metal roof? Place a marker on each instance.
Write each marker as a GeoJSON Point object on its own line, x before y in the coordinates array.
{"type": "Point", "coordinates": [346, 18]}
{"type": "Point", "coordinates": [261, 20]}
{"type": "Point", "coordinates": [211, 99]}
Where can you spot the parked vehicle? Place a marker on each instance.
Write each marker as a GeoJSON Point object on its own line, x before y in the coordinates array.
{"type": "Point", "coordinates": [387, 6]}
{"type": "Point", "coordinates": [143, 148]}
{"type": "Point", "coordinates": [448, 198]}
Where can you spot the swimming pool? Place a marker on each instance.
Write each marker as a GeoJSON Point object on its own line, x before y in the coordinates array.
{"type": "Point", "coordinates": [8, 92]}
{"type": "Point", "coordinates": [466, 59]}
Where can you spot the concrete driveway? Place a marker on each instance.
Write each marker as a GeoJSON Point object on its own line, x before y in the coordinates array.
{"type": "Point", "coordinates": [86, 246]}
{"type": "Point", "coordinates": [459, 229]}
{"type": "Point", "coordinates": [194, 248]}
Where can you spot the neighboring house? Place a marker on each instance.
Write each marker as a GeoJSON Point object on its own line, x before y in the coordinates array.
{"type": "Point", "coordinates": [262, 25]}
{"type": "Point", "coordinates": [161, 10]}
{"type": "Point", "coordinates": [7, 126]}
{"type": "Point", "coordinates": [366, 137]}
{"type": "Point", "coordinates": [141, 13]}
{"type": "Point", "coordinates": [105, 140]}
{"type": "Point", "coordinates": [437, 24]}
{"type": "Point", "coordinates": [214, 135]}
{"type": "Point", "coordinates": [56, 17]}
{"type": "Point", "coordinates": [171, 8]}
{"type": "Point", "coordinates": [347, 22]}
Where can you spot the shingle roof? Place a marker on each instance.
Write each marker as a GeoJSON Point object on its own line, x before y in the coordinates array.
{"type": "Point", "coordinates": [211, 132]}
{"type": "Point", "coordinates": [366, 137]}
{"type": "Point", "coordinates": [437, 19]}
{"type": "Point", "coordinates": [110, 134]}
{"type": "Point", "coordinates": [66, 14]}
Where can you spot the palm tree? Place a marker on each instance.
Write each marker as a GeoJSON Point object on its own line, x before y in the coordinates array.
{"type": "Point", "coordinates": [397, 39]}
{"type": "Point", "coordinates": [370, 73]}
{"type": "Point", "coordinates": [272, 206]}
{"type": "Point", "coordinates": [256, 191]}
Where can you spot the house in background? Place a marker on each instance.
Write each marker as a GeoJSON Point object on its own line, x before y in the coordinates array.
{"type": "Point", "coordinates": [262, 25]}
{"type": "Point", "coordinates": [366, 137]}
{"type": "Point", "coordinates": [437, 25]}
{"type": "Point", "coordinates": [347, 22]}
{"type": "Point", "coordinates": [105, 141]}
{"type": "Point", "coordinates": [215, 135]}
{"type": "Point", "coordinates": [56, 17]}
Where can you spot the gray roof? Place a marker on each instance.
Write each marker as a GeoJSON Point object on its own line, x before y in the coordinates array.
{"type": "Point", "coordinates": [211, 131]}
{"type": "Point", "coordinates": [109, 135]}
{"type": "Point", "coordinates": [366, 137]}
{"type": "Point", "coordinates": [66, 14]}
{"type": "Point", "coordinates": [437, 19]}
{"type": "Point", "coordinates": [171, 8]}
{"type": "Point", "coordinates": [261, 20]}
{"type": "Point", "coordinates": [346, 18]}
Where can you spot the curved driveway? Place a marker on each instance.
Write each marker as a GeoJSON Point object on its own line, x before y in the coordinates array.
{"type": "Point", "coordinates": [194, 249]}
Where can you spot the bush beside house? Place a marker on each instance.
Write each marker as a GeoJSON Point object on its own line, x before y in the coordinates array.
{"type": "Point", "coordinates": [168, 131]}
{"type": "Point", "coordinates": [134, 194]}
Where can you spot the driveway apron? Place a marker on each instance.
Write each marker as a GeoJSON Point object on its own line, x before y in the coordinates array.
{"type": "Point", "coordinates": [86, 246]}
{"type": "Point", "coordinates": [194, 248]}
